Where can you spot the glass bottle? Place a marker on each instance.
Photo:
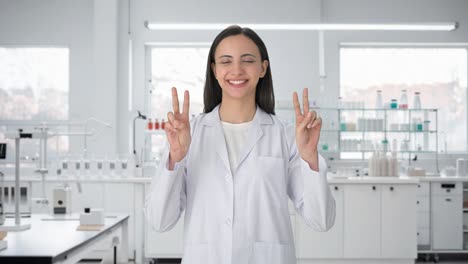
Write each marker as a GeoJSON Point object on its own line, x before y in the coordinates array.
{"type": "Point", "coordinates": [150, 124]}
{"type": "Point", "coordinates": [417, 101]}
{"type": "Point", "coordinates": [156, 124]}
{"type": "Point", "coordinates": [378, 100]}
{"type": "Point", "coordinates": [403, 100]}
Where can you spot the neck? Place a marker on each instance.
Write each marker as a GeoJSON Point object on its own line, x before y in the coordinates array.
{"type": "Point", "coordinates": [237, 112]}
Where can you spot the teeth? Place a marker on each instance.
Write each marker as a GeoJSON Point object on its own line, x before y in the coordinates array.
{"type": "Point", "coordinates": [237, 82]}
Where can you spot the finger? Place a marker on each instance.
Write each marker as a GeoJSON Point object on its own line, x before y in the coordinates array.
{"type": "Point", "coordinates": [169, 128]}
{"type": "Point", "coordinates": [297, 107]}
{"type": "Point", "coordinates": [171, 119]}
{"type": "Point", "coordinates": [306, 120]}
{"type": "Point", "coordinates": [305, 100]}
{"type": "Point", "coordinates": [186, 103]}
{"type": "Point", "coordinates": [317, 122]}
{"type": "Point", "coordinates": [314, 116]}
{"type": "Point", "coordinates": [175, 101]}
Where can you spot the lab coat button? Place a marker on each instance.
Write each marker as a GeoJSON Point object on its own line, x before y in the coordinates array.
{"type": "Point", "coordinates": [228, 221]}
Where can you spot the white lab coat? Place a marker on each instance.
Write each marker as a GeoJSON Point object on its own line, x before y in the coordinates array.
{"type": "Point", "coordinates": [240, 216]}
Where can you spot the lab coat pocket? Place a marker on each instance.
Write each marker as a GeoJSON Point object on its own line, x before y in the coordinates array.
{"type": "Point", "coordinates": [272, 253]}
{"type": "Point", "coordinates": [272, 180]}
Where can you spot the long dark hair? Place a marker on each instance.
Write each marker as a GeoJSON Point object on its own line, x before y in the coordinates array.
{"type": "Point", "coordinates": [264, 95]}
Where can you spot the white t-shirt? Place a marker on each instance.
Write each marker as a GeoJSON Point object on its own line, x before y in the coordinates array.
{"type": "Point", "coordinates": [235, 135]}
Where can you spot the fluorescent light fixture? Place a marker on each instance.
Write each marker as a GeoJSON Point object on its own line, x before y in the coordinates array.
{"type": "Point", "coordinates": [446, 26]}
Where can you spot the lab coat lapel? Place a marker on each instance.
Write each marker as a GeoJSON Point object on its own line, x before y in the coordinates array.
{"type": "Point", "coordinates": [255, 133]}
{"type": "Point", "coordinates": [219, 142]}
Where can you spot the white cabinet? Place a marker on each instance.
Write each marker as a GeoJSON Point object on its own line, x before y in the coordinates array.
{"type": "Point", "coordinates": [447, 216]}
{"type": "Point", "coordinates": [398, 221]}
{"type": "Point", "coordinates": [313, 244]}
{"type": "Point", "coordinates": [423, 211]}
{"type": "Point", "coordinates": [362, 221]}
{"type": "Point", "coordinates": [373, 221]}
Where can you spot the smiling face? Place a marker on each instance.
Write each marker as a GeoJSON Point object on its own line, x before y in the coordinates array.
{"type": "Point", "coordinates": [238, 66]}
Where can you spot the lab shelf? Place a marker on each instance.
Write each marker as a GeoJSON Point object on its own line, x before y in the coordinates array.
{"type": "Point", "coordinates": [384, 131]}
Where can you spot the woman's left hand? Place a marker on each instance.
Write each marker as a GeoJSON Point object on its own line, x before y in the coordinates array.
{"type": "Point", "coordinates": [308, 125]}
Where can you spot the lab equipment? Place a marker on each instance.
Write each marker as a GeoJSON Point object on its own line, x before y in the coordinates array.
{"type": "Point", "coordinates": [393, 104]}
{"type": "Point", "coordinates": [137, 161]}
{"type": "Point", "coordinates": [150, 124]}
{"type": "Point", "coordinates": [403, 100]}
{"type": "Point", "coordinates": [17, 136]}
{"type": "Point", "coordinates": [62, 200]}
{"type": "Point", "coordinates": [86, 134]}
{"type": "Point", "coordinates": [378, 100]}
{"type": "Point", "coordinates": [156, 124]}
{"type": "Point", "coordinates": [2, 215]}
{"type": "Point", "coordinates": [462, 167]}
{"type": "Point", "coordinates": [92, 217]}
{"type": "Point", "coordinates": [417, 100]}
{"type": "Point", "coordinates": [381, 164]}
{"type": "Point", "coordinates": [3, 147]}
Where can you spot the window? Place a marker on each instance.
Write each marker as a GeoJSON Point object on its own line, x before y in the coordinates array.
{"type": "Point", "coordinates": [34, 87]}
{"type": "Point", "coordinates": [183, 67]}
{"type": "Point", "coordinates": [34, 83]}
{"type": "Point", "coordinates": [439, 74]}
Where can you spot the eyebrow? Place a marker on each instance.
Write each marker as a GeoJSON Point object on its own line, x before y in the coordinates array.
{"type": "Point", "coordinates": [243, 55]}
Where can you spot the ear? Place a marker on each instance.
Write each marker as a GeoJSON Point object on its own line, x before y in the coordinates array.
{"type": "Point", "coordinates": [264, 68]}
{"type": "Point", "coordinates": [213, 68]}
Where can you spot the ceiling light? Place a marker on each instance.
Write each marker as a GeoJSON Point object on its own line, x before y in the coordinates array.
{"type": "Point", "coordinates": [446, 26]}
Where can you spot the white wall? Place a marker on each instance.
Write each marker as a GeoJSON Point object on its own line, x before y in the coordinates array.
{"type": "Point", "coordinates": [99, 32]}
{"type": "Point", "coordinates": [294, 55]}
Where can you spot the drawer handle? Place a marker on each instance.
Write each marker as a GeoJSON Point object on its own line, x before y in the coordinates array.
{"type": "Point", "coordinates": [336, 188]}
{"type": "Point", "coordinates": [417, 202]}
{"type": "Point", "coordinates": [373, 188]}
{"type": "Point", "coordinates": [448, 200]}
{"type": "Point", "coordinates": [391, 188]}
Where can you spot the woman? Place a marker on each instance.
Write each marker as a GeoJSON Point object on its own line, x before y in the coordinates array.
{"type": "Point", "coordinates": [233, 168]}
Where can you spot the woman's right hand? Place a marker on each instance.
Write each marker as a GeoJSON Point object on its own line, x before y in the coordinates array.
{"type": "Point", "coordinates": [178, 129]}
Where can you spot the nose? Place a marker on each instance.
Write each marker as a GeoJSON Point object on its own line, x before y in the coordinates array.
{"type": "Point", "coordinates": [237, 68]}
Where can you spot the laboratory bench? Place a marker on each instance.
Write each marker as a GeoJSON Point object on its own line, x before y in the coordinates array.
{"type": "Point", "coordinates": [55, 239]}
{"type": "Point", "coordinates": [378, 219]}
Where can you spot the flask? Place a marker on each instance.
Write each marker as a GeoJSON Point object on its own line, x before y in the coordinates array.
{"type": "Point", "coordinates": [417, 101]}
{"type": "Point", "coordinates": [403, 100]}
{"type": "Point", "coordinates": [378, 100]}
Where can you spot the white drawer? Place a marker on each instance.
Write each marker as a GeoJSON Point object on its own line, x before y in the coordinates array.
{"type": "Point", "coordinates": [446, 188]}
{"type": "Point", "coordinates": [423, 219]}
{"type": "Point", "coordinates": [423, 188]}
{"type": "Point", "coordinates": [423, 236]}
{"type": "Point", "coordinates": [422, 203]}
